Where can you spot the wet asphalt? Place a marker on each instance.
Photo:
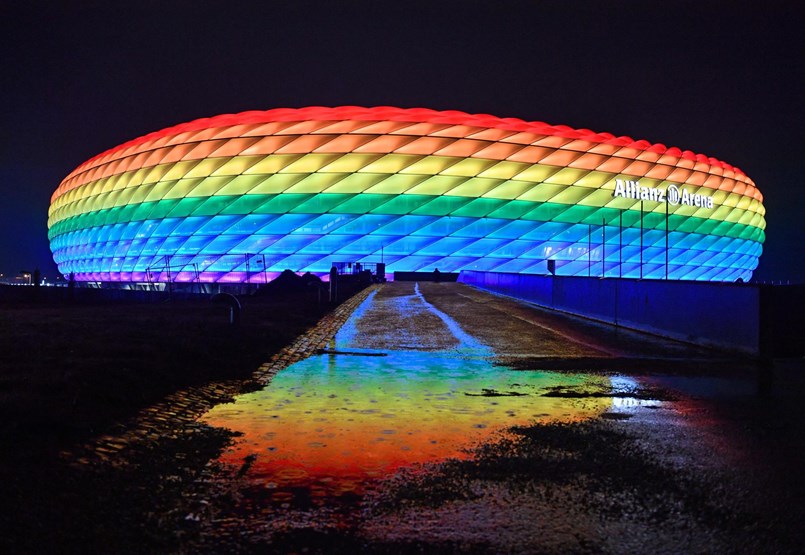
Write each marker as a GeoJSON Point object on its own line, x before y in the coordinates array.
{"type": "Point", "coordinates": [695, 452]}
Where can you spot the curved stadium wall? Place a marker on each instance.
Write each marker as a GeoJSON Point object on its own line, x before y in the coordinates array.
{"type": "Point", "coordinates": [243, 197]}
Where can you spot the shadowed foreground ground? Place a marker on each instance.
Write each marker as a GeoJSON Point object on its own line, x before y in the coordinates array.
{"type": "Point", "coordinates": [68, 371]}
{"type": "Point", "coordinates": [696, 456]}
{"type": "Point", "coordinates": [691, 457]}
{"type": "Point", "coordinates": [73, 371]}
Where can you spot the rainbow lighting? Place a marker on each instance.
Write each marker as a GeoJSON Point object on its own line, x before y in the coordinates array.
{"type": "Point", "coordinates": [243, 197]}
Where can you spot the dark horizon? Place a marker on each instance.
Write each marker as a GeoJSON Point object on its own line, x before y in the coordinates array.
{"type": "Point", "coordinates": [716, 78]}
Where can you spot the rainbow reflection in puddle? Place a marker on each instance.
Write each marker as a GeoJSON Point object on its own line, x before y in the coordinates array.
{"type": "Point", "coordinates": [332, 423]}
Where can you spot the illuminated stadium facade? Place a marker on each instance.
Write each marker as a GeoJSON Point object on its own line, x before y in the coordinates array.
{"type": "Point", "coordinates": [243, 197]}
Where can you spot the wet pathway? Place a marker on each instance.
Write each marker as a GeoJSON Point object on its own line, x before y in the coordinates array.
{"type": "Point", "coordinates": [401, 385]}
{"type": "Point", "coordinates": [423, 418]}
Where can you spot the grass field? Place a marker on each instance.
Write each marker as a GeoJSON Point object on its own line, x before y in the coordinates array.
{"type": "Point", "coordinates": [69, 371]}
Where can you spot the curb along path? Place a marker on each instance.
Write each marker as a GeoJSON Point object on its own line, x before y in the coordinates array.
{"type": "Point", "coordinates": [183, 408]}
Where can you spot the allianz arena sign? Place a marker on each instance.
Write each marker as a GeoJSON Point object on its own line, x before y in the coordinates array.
{"type": "Point", "coordinates": [673, 194]}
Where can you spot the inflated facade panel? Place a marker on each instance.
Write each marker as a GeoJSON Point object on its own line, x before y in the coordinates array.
{"type": "Point", "coordinates": [246, 196]}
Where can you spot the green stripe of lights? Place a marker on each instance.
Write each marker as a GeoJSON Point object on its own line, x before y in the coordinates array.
{"type": "Point", "coordinates": [405, 204]}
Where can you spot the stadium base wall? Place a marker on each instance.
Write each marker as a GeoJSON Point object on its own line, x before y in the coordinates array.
{"type": "Point", "coordinates": [720, 315]}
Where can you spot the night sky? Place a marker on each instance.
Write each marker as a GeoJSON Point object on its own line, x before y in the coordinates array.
{"type": "Point", "coordinates": [719, 78]}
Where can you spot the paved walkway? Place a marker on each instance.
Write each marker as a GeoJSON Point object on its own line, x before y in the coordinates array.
{"type": "Point", "coordinates": [670, 476]}
{"type": "Point", "coordinates": [184, 407]}
{"type": "Point", "coordinates": [406, 313]}
{"type": "Point", "coordinates": [417, 316]}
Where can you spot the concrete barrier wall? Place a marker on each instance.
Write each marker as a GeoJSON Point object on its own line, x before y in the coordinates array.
{"type": "Point", "coordinates": [723, 315]}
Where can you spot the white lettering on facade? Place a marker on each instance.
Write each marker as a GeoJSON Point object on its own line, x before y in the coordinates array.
{"type": "Point", "coordinates": [674, 195]}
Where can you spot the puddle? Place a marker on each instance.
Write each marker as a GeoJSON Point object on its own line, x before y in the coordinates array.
{"type": "Point", "coordinates": [330, 425]}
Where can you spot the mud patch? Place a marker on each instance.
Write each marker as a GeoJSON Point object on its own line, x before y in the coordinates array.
{"type": "Point", "coordinates": [584, 487]}
{"type": "Point", "coordinates": [615, 416]}
{"type": "Point", "coordinates": [631, 391]}
{"type": "Point", "coordinates": [495, 393]}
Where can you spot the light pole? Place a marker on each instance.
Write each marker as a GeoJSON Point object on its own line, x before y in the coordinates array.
{"type": "Point", "coordinates": [666, 240]}
{"type": "Point", "coordinates": [603, 247]}
{"type": "Point", "coordinates": [620, 245]}
{"type": "Point", "coordinates": [248, 283]}
{"type": "Point", "coordinates": [641, 239]}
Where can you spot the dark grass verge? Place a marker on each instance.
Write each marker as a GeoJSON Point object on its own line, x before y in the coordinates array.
{"type": "Point", "coordinates": [71, 372]}
{"type": "Point", "coordinates": [152, 505]}
{"type": "Point", "coordinates": [68, 372]}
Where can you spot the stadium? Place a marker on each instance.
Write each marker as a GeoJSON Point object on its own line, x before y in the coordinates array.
{"type": "Point", "coordinates": [241, 198]}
